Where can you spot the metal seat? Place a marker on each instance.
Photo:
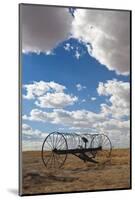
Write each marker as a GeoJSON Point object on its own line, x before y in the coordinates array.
{"type": "Point", "coordinates": [84, 139]}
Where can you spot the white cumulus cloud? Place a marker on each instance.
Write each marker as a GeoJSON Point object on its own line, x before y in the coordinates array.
{"type": "Point", "coordinates": [67, 47]}
{"type": "Point", "coordinates": [119, 97]}
{"type": "Point", "coordinates": [29, 134]}
{"type": "Point", "coordinates": [78, 118]}
{"type": "Point", "coordinates": [108, 32]}
{"type": "Point", "coordinates": [112, 119]}
{"type": "Point", "coordinates": [77, 54]}
{"type": "Point", "coordinates": [86, 121]}
{"type": "Point", "coordinates": [80, 87]}
{"type": "Point", "coordinates": [93, 98]}
{"type": "Point", "coordinates": [48, 94]}
{"type": "Point", "coordinates": [32, 139]}
{"type": "Point", "coordinates": [37, 89]}
{"type": "Point", "coordinates": [43, 27]}
{"type": "Point", "coordinates": [55, 100]}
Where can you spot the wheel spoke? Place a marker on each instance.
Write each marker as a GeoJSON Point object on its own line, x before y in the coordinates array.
{"type": "Point", "coordinates": [51, 141]}
{"type": "Point", "coordinates": [61, 145]}
{"type": "Point", "coordinates": [53, 160]}
{"type": "Point", "coordinates": [96, 141]}
{"type": "Point", "coordinates": [49, 159]}
{"type": "Point", "coordinates": [104, 142]}
{"type": "Point", "coordinates": [57, 160]}
{"type": "Point", "coordinates": [49, 144]}
{"type": "Point", "coordinates": [58, 141]}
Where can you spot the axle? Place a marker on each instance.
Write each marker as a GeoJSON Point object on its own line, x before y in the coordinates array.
{"type": "Point", "coordinates": [73, 151]}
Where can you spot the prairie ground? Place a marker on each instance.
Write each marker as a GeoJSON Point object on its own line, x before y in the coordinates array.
{"type": "Point", "coordinates": [75, 175]}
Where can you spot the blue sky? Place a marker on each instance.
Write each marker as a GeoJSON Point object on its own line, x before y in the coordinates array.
{"type": "Point", "coordinates": [88, 67]}
{"type": "Point", "coordinates": [64, 68]}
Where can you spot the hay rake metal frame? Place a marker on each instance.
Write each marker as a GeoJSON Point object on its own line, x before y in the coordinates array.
{"type": "Point", "coordinates": [87, 147]}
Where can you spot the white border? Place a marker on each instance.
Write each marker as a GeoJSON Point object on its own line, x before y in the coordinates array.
{"type": "Point", "coordinates": [9, 99]}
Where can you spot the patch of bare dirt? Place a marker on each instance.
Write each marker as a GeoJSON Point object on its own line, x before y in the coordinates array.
{"type": "Point", "coordinates": [75, 174]}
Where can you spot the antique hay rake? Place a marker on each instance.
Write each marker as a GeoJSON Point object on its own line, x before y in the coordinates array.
{"type": "Point", "coordinates": [94, 148]}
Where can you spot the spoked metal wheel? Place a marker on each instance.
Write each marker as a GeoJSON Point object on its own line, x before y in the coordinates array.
{"type": "Point", "coordinates": [102, 142]}
{"type": "Point", "coordinates": [53, 142]}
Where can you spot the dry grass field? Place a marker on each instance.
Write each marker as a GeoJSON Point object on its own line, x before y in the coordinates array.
{"type": "Point", "coordinates": [75, 174]}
